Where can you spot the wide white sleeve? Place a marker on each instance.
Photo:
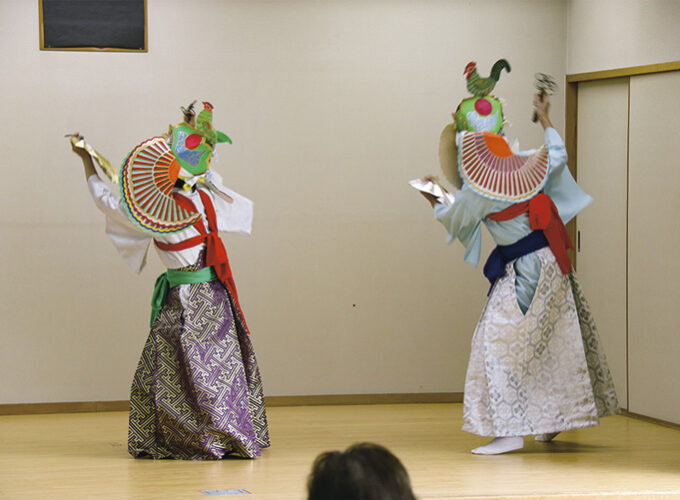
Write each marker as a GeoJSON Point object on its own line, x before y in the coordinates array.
{"type": "Point", "coordinates": [462, 221]}
{"type": "Point", "coordinates": [557, 152]}
{"type": "Point", "coordinates": [568, 197]}
{"type": "Point", "coordinates": [132, 244]}
{"type": "Point", "coordinates": [236, 217]}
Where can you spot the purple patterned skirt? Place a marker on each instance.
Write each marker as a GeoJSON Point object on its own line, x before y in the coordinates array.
{"type": "Point", "coordinates": [197, 392]}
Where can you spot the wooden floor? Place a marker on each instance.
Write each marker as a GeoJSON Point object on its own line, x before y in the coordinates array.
{"type": "Point", "coordinates": [84, 456]}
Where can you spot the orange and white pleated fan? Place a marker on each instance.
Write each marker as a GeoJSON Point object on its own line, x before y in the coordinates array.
{"type": "Point", "coordinates": [490, 168]}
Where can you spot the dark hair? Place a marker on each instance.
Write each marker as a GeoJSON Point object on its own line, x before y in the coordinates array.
{"type": "Point", "coordinates": [363, 471]}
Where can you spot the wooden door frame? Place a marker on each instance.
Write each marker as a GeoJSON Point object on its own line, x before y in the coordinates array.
{"type": "Point", "coordinates": [571, 116]}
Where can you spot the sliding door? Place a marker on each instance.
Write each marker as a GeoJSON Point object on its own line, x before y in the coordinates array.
{"type": "Point", "coordinates": [628, 143]}
{"type": "Point", "coordinates": [654, 246]}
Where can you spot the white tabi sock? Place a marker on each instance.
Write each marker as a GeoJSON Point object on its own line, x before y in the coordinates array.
{"type": "Point", "coordinates": [500, 445]}
{"type": "Point", "coordinates": [547, 437]}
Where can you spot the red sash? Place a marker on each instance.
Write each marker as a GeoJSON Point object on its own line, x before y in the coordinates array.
{"type": "Point", "coordinates": [215, 253]}
{"type": "Point", "coordinates": [543, 215]}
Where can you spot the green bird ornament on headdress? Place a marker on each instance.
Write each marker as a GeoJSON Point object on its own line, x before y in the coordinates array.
{"type": "Point", "coordinates": [204, 125]}
{"type": "Point", "coordinates": [480, 86]}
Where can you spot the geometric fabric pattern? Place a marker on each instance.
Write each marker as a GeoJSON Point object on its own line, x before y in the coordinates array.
{"type": "Point", "coordinates": [498, 174]}
{"type": "Point", "coordinates": [598, 369]}
{"type": "Point", "coordinates": [147, 177]}
{"type": "Point", "coordinates": [197, 392]}
{"type": "Point", "coordinates": [539, 372]}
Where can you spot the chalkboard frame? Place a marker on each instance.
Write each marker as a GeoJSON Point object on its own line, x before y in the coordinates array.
{"type": "Point", "coordinates": [93, 45]}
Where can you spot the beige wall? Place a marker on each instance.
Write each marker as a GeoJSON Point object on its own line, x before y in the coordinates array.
{"type": "Point", "coordinates": [347, 283]}
{"type": "Point", "coordinates": [612, 34]}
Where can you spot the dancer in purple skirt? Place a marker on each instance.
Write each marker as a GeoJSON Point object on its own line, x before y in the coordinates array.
{"type": "Point", "coordinates": [197, 392]}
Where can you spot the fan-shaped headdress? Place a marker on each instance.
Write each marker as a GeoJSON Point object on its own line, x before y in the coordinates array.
{"type": "Point", "coordinates": [472, 150]}
{"type": "Point", "coordinates": [152, 169]}
{"type": "Point", "coordinates": [490, 168]}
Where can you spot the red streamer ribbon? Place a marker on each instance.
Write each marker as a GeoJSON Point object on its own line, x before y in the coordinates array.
{"type": "Point", "coordinates": [215, 251]}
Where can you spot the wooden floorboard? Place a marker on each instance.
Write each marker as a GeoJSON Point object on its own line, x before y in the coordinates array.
{"type": "Point", "coordinates": [271, 401]}
{"type": "Point", "coordinates": [83, 455]}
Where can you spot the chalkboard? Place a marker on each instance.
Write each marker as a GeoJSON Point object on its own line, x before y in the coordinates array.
{"type": "Point", "coordinates": [110, 25]}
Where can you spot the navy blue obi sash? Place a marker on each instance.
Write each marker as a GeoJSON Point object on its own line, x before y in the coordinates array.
{"type": "Point", "coordinates": [494, 267]}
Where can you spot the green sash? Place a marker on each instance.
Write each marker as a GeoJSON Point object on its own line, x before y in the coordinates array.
{"type": "Point", "coordinates": [172, 278]}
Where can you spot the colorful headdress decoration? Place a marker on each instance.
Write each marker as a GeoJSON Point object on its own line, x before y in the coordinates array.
{"type": "Point", "coordinates": [152, 169]}
{"type": "Point", "coordinates": [480, 114]}
{"type": "Point", "coordinates": [483, 112]}
{"type": "Point", "coordinates": [473, 151]}
{"type": "Point", "coordinates": [194, 145]}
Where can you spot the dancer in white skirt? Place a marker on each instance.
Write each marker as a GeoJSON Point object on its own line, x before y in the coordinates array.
{"type": "Point", "coordinates": [536, 365]}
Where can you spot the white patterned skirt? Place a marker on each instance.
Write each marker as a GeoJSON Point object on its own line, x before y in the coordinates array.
{"type": "Point", "coordinates": [539, 372]}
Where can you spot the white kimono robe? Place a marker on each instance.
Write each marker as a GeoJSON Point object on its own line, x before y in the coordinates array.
{"type": "Point", "coordinates": [133, 244]}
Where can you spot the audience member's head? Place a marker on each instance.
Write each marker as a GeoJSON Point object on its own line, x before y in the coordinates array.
{"type": "Point", "coordinates": [363, 471]}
